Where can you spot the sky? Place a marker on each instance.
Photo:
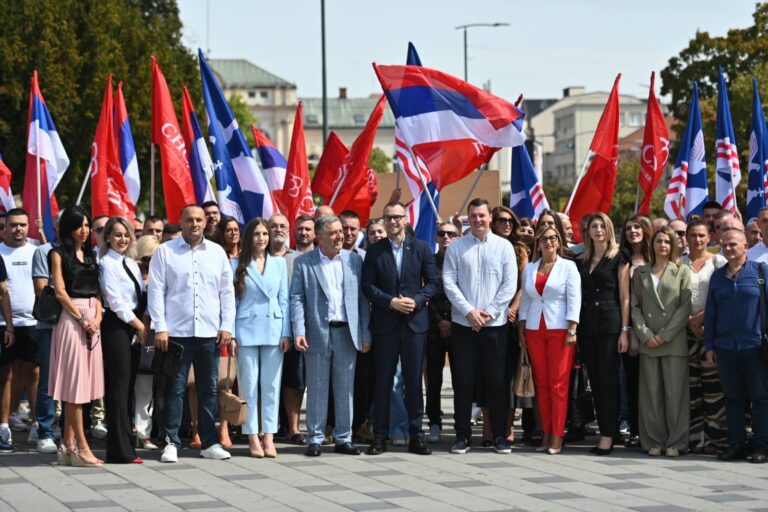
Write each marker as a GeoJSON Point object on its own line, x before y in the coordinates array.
{"type": "Point", "coordinates": [549, 45]}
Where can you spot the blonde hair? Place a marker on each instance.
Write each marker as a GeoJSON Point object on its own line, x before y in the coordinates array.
{"type": "Point", "coordinates": [146, 246]}
{"type": "Point", "coordinates": [536, 245]}
{"type": "Point", "coordinates": [610, 235]}
{"type": "Point", "coordinates": [108, 227]}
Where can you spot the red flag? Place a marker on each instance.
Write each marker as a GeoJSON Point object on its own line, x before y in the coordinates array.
{"type": "Point", "coordinates": [296, 198]}
{"type": "Point", "coordinates": [653, 158]}
{"type": "Point", "coordinates": [178, 189]}
{"type": "Point", "coordinates": [359, 187]}
{"type": "Point", "coordinates": [109, 195]}
{"type": "Point", "coordinates": [594, 192]}
{"type": "Point", "coordinates": [329, 168]}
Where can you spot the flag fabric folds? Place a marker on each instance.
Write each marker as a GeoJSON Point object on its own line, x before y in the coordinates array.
{"type": "Point", "coordinates": [526, 197]}
{"type": "Point", "coordinates": [296, 198]}
{"type": "Point", "coordinates": [198, 157]}
{"type": "Point", "coordinates": [593, 192]}
{"type": "Point", "coordinates": [687, 190]}
{"type": "Point", "coordinates": [757, 175]}
{"type": "Point", "coordinates": [655, 150]}
{"type": "Point", "coordinates": [43, 142]}
{"type": "Point", "coordinates": [128, 162]}
{"type": "Point", "coordinates": [451, 125]}
{"type": "Point", "coordinates": [6, 195]}
{"type": "Point", "coordinates": [330, 168]}
{"type": "Point", "coordinates": [241, 188]}
{"type": "Point", "coordinates": [727, 170]}
{"type": "Point", "coordinates": [273, 163]}
{"type": "Point", "coordinates": [109, 195]}
{"type": "Point", "coordinates": [178, 190]}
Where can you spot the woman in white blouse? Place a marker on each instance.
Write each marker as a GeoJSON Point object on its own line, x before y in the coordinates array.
{"type": "Point", "coordinates": [549, 313]}
{"type": "Point", "coordinates": [122, 288]}
{"type": "Point", "coordinates": [708, 430]}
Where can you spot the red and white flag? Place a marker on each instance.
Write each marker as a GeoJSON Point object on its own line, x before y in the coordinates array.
{"type": "Point", "coordinates": [296, 197]}
{"type": "Point", "coordinates": [655, 151]}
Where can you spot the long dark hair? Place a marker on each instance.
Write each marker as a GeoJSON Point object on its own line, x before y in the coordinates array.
{"type": "Point", "coordinates": [72, 220]}
{"type": "Point", "coordinates": [647, 229]}
{"type": "Point", "coordinates": [246, 252]}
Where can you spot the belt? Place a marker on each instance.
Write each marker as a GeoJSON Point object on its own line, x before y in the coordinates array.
{"type": "Point", "coordinates": [336, 324]}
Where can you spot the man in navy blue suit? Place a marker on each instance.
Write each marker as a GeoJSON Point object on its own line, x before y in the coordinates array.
{"type": "Point", "coordinates": [399, 277]}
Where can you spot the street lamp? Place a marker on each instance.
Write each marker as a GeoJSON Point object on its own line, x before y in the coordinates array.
{"type": "Point", "coordinates": [470, 25]}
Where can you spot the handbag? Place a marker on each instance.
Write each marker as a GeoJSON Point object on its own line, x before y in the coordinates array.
{"type": "Point", "coordinates": [524, 387]}
{"type": "Point", "coordinates": [232, 407]}
{"type": "Point", "coordinates": [47, 307]}
{"type": "Point", "coordinates": [581, 409]}
{"type": "Point", "coordinates": [146, 355]}
{"type": "Point", "coordinates": [763, 330]}
{"type": "Point", "coordinates": [140, 295]}
{"type": "Point", "coordinates": [167, 363]}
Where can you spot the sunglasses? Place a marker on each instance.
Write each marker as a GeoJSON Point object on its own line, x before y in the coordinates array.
{"type": "Point", "coordinates": [99, 231]}
{"type": "Point", "coordinates": [451, 234]}
{"type": "Point", "coordinates": [548, 239]}
{"type": "Point", "coordinates": [395, 218]}
{"type": "Point", "coordinates": [680, 233]}
{"type": "Point", "coordinates": [504, 220]}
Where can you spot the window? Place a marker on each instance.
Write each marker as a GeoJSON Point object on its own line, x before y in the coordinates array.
{"type": "Point", "coordinates": [359, 118]}
{"type": "Point", "coordinates": [636, 119]}
{"type": "Point", "coordinates": [264, 95]}
{"type": "Point", "coordinates": [251, 94]}
{"type": "Point", "coordinates": [312, 119]}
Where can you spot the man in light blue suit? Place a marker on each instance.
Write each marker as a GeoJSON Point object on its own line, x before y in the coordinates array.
{"type": "Point", "coordinates": [329, 313]}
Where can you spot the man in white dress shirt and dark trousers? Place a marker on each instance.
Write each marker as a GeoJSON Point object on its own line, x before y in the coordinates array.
{"type": "Point", "coordinates": [192, 302]}
{"type": "Point", "coordinates": [479, 280]}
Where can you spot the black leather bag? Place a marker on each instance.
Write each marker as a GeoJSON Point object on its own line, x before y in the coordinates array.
{"type": "Point", "coordinates": [47, 307]}
{"type": "Point", "coordinates": [167, 363]}
{"type": "Point", "coordinates": [581, 407]}
{"type": "Point", "coordinates": [763, 322]}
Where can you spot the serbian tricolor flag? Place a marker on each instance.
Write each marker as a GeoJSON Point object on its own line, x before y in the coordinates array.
{"type": "Point", "coordinates": [109, 195]}
{"type": "Point", "coordinates": [44, 148]}
{"type": "Point", "coordinates": [450, 125]}
{"type": "Point", "coordinates": [330, 168]}
{"type": "Point", "coordinates": [757, 176]}
{"type": "Point", "coordinates": [727, 170]}
{"type": "Point", "coordinates": [687, 190]}
{"type": "Point", "coordinates": [526, 197]}
{"type": "Point", "coordinates": [273, 163]}
{"type": "Point", "coordinates": [128, 162]}
{"type": "Point", "coordinates": [178, 189]}
{"type": "Point", "coordinates": [655, 152]}
{"type": "Point", "coordinates": [200, 164]}
{"type": "Point", "coordinates": [6, 196]}
{"type": "Point", "coordinates": [593, 191]}
{"type": "Point", "coordinates": [296, 198]}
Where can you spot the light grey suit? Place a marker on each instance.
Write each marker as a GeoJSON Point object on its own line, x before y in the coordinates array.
{"type": "Point", "coordinates": [331, 352]}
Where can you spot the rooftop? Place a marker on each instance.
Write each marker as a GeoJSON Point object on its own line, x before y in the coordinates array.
{"type": "Point", "coordinates": [240, 73]}
{"type": "Point", "coordinates": [344, 113]}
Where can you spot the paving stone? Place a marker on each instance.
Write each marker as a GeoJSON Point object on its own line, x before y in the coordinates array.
{"type": "Point", "coordinates": [392, 494]}
{"type": "Point", "coordinates": [725, 498]}
{"type": "Point", "coordinates": [549, 479]}
{"type": "Point", "coordinates": [377, 472]}
{"type": "Point", "coordinates": [320, 488]}
{"type": "Point", "coordinates": [245, 476]}
{"type": "Point", "coordinates": [90, 504]}
{"type": "Point", "coordinates": [204, 504]}
{"type": "Point", "coordinates": [112, 487]}
{"type": "Point", "coordinates": [620, 486]}
{"type": "Point", "coordinates": [662, 508]}
{"type": "Point", "coordinates": [167, 493]}
{"type": "Point", "coordinates": [555, 496]}
{"type": "Point", "coordinates": [633, 476]}
{"type": "Point", "coordinates": [361, 507]}
{"type": "Point", "coordinates": [464, 483]}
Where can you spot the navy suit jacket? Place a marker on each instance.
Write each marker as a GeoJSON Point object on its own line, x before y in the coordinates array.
{"type": "Point", "coordinates": [381, 283]}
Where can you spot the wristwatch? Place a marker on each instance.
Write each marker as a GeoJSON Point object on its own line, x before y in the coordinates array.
{"type": "Point", "coordinates": [625, 328]}
{"type": "Point", "coordinates": [572, 332]}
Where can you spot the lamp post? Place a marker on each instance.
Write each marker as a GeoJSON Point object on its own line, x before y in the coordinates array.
{"type": "Point", "coordinates": [325, 90]}
{"type": "Point", "coordinates": [471, 25]}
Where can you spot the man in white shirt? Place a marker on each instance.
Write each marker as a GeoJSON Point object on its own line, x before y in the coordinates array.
{"type": "Point", "coordinates": [479, 280]}
{"type": "Point", "coordinates": [192, 303]}
{"type": "Point", "coordinates": [759, 252]}
{"type": "Point", "coordinates": [19, 367]}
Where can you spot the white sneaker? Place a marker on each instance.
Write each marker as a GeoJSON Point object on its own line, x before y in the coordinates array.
{"type": "Point", "coordinates": [23, 411]}
{"type": "Point", "coordinates": [99, 430]}
{"type": "Point", "coordinates": [216, 452]}
{"type": "Point", "coordinates": [434, 434]}
{"type": "Point", "coordinates": [170, 454]}
{"type": "Point", "coordinates": [32, 438]}
{"type": "Point", "coordinates": [6, 439]}
{"type": "Point", "coordinates": [17, 423]}
{"type": "Point", "coordinates": [46, 446]}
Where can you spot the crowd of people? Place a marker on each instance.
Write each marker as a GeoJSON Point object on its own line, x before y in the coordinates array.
{"type": "Point", "coordinates": [655, 330]}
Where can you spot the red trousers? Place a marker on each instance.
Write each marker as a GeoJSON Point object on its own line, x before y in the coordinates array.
{"type": "Point", "coordinates": [551, 363]}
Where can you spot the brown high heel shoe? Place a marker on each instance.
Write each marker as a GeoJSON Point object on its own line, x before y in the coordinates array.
{"type": "Point", "coordinates": [257, 452]}
{"type": "Point", "coordinates": [545, 442]}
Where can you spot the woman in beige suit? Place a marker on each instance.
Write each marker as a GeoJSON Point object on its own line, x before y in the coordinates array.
{"type": "Point", "coordinates": [661, 304]}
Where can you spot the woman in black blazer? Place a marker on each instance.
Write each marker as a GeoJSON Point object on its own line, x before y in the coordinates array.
{"type": "Point", "coordinates": [604, 322]}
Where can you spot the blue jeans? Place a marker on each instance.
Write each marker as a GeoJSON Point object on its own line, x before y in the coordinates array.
{"type": "Point", "coordinates": [744, 376]}
{"type": "Point", "coordinates": [205, 354]}
{"type": "Point", "coordinates": [398, 414]}
{"type": "Point", "coordinates": [45, 410]}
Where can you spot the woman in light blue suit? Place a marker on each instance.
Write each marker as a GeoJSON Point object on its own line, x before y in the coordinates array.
{"type": "Point", "coordinates": [262, 330]}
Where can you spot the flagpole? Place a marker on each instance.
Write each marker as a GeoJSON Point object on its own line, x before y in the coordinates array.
{"type": "Point", "coordinates": [471, 189]}
{"type": "Point", "coordinates": [424, 184]}
{"type": "Point", "coordinates": [338, 189]}
{"type": "Point", "coordinates": [39, 185]}
{"type": "Point", "coordinates": [578, 182]}
{"type": "Point", "coordinates": [85, 182]}
{"type": "Point", "coordinates": [152, 179]}
{"type": "Point", "coordinates": [397, 175]}
{"type": "Point", "coordinates": [637, 197]}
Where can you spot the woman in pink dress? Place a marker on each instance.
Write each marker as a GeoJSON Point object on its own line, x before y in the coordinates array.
{"type": "Point", "coordinates": [77, 368]}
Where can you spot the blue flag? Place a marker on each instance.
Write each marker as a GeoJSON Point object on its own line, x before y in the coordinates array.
{"type": "Point", "coordinates": [758, 158]}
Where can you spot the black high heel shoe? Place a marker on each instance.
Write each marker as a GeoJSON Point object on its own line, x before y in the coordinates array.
{"type": "Point", "coordinates": [602, 451]}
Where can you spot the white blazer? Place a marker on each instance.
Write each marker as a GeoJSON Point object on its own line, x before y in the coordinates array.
{"type": "Point", "coordinates": [561, 300]}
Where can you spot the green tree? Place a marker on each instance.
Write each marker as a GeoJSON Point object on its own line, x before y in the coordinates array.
{"type": "Point", "coordinates": [74, 45]}
{"type": "Point", "coordinates": [379, 161]}
{"type": "Point", "coordinates": [244, 116]}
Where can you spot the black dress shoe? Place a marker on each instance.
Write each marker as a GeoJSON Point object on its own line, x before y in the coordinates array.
{"type": "Point", "coordinates": [377, 447]}
{"type": "Point", "coordinates": [347, 449]}
{"type": "Point", "coordinates": [734, 452]}
{"type": "Point", "coordinates": [758, 455]}
{"type": "Point", "coordinates": [313, 450]}
{"type": "Point", "coordinates": [417, 446]}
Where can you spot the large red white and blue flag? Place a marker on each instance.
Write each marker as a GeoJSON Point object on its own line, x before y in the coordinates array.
{"type": "Point", "coordinates": [728, 172]}
{"type": "Point", "coordinates": [273, 163]}
{"type": "Point", "coordinates": [129, 164]}
{"type": "Point", "coordinates": [42, 141]}
{"type": "Point", "coordinates": [241, 188]}
{"type": "Point", "coordinates": [6, 195]}
{"type": "Point", "coordinates": [450, 125]}
{"type": "Point", "coordinates": [757, 175]}
{"type": "Point", "coordinates": [526, 196]}
{"type": "Point", "coordinates": [200, 163]}
{"type": "Point", "coordinates": [687, 190]}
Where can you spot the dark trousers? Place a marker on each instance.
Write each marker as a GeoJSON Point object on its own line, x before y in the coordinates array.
{"type": "Point", "coordinates": [121, 362]}
{"type": "Point", "coordinates": [437, 348]}
{"type": "Point", "coordinates": [45, 410]}
{"type": "Point", "coordinates": [364, 388]}
{"type": "Point", "coordinates": [409, 347]}
{"type": "Point", "coordinates": [632, 381]}
{"type": "Point", "coordinates": [488, 347]}
{"type": "Point", "coordinates": [744, 377]}
{"type": "Point", "coordinates": [601, 355]}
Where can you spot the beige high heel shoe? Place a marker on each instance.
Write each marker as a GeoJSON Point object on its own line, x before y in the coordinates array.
{"type": "Point", "coordinates": [76, 461]}
{"type": "Point", "coordinates": [62, 457]}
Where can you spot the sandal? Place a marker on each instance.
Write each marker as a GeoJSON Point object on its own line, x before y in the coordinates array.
{"type": "Point", "coordinates": [195, 442]}
{"type": "Point", "coordinates": [297, 439]}
{"type": "Point", "coordinates": [76, 460]}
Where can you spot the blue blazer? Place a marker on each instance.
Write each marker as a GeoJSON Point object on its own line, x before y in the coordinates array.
{"type": "Point", "coordinates": [263, 310]}
{"type": "Point", "coordinates": [309, 302]}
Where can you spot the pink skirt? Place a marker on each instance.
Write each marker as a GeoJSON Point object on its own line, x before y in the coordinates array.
{"type": "Point", "coordinates": [77, 374]}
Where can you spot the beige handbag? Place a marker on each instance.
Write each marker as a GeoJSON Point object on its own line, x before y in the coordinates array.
{"type": "Point", "coordinates": [524, 387]}
{"type": "Point", "coordinates": [233, 408]}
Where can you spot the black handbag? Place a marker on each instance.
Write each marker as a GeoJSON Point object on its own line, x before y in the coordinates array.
{"type": "Point", "coordinates": [763, 329]}
{"type": "Point", "coordinates": [167, 363]}
{"type": "Point", "coordinates": [146, 356]}
{"type": "Point", "coordinates": [47, 307]}
{"type": "Point", "coordinates": [581, 408]}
